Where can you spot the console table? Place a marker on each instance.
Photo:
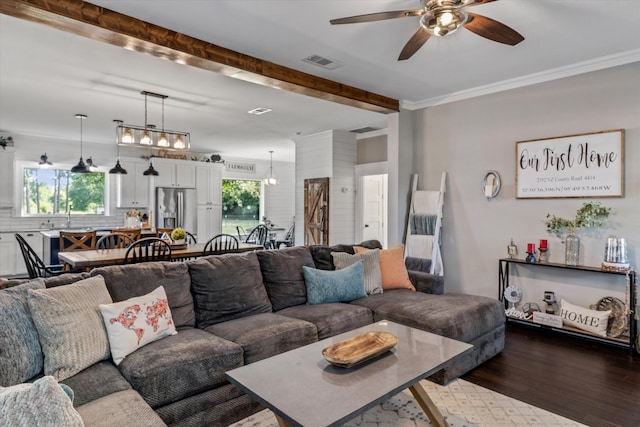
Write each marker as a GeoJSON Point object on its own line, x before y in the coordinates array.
{"type": "Point", "coordinates": [626, 342]}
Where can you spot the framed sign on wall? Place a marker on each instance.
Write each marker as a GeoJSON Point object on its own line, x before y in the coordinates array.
{"type": "Point", "coordinates": [584, 165]}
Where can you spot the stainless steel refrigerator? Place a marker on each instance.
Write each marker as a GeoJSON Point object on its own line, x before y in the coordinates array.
{"type": "Point", "coordinates": [176, 207]}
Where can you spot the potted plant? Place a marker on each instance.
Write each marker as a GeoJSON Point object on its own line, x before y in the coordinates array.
{"type": "Point", "coordinates": [178, 235]}
{"type": "Point", "coordinates": [591, 214]}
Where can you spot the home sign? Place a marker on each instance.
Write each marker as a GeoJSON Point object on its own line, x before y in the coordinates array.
{"type": "Point", "coordinates": [585, 165]}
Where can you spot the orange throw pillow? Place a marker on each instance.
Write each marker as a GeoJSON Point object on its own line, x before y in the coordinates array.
{"type": "Point", "coordinates": [394, 272]}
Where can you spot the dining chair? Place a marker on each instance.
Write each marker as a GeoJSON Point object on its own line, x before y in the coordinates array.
{"type": "Point", "coordinates": [77, 240]}
{"type": "Point", "coordinates": [148, 249]}
{"type": "Point", "coordinates": [289, 238]}
{"type": "Point", "coordinates": [35, 266]}
{"type": "Point", "coordinates": [258, 236]}
{"type": "Point", "coordinates": [113, 241]}
{"type": "Point", "coordinates": [134, 233]}
{"type": "Point", "coordinates": [242, 234]}
{"type": "Point", "coordinates": [191, 239]}
{"type": "Point", "coordinates": [220, 244]}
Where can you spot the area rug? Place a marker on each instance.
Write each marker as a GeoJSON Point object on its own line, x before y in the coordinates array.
{"type": "Point", "coordinates": [462, 404]}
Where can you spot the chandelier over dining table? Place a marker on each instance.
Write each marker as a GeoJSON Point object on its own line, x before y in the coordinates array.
{"type": "Point", "coordinates": [151, 136]}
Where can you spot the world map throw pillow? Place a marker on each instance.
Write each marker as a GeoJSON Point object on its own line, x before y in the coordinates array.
{"type": "Point", "coordinates": [136, 322]}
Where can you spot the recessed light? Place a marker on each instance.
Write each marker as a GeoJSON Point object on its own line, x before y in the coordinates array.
{"type": "Point", "coordinates": [259, 110]}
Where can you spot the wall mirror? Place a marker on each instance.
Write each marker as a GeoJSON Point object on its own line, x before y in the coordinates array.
{"type": "Point", "coordinates": [491, 184]}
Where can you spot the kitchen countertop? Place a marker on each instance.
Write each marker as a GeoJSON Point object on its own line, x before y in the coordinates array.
{"type": "Point", "coordinates": [54, 234]}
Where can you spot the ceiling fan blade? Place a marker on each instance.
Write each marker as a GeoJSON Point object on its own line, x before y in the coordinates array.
{"type": "Point", "coordinates": [416, 41]}
{"type": "Point", "coordinates": [479, 2]}
{"type": "Point", "coordinates": [380, 16]}
{"type": "Point", "coordinates": [492, 30]}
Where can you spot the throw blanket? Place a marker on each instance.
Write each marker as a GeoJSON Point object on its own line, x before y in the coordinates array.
{"type": "Point", "coordinates": [423, 224]}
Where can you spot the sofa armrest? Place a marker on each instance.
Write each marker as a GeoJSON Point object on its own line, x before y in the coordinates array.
{"type": "Point", "coordinates": [427, 283]}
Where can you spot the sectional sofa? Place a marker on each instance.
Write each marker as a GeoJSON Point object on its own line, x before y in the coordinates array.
{"type": "Point", "coordinates": [228, 311]}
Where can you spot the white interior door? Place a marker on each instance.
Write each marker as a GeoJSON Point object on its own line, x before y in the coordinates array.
{"type": "Point", "coordinates": [374, 208]}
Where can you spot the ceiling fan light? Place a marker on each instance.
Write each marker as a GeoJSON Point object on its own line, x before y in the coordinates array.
{"type": "Point", "coordinates": [443, 22]}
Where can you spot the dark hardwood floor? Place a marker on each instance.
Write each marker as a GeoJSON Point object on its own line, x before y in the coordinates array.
{"type": "Point", "coordinates": [592, 383]}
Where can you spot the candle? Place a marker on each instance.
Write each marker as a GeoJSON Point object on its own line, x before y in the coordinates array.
{"type": "Point", "coordinates": [531, 247]}
{"type": "Point", "coordinates": [543, 244]}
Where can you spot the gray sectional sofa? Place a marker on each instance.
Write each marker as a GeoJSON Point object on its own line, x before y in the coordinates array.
{"type": "Point", "coordinates": [236, 309]}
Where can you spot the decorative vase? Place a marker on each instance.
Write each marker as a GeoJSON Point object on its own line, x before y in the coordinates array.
{"type": "Point", "coordinates": [572, 250]}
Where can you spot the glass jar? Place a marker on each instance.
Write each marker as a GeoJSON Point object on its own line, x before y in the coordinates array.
{"type": "Point", "coordinates": [572, 250]}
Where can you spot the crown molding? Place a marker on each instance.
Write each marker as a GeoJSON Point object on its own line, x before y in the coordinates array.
{"type": "Point", "coordinates": [601, 63]}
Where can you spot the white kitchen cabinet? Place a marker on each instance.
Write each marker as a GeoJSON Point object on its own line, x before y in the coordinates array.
{"type": "Point", "coordinates": [174, 173]}
{"type": "Point", "coordinates": [7, 157]}
{"type": "Point", "coordinates": [209, 222]}
{"type": "Point", "coordinates": [133, 188]}
{"type": "Point", "coordinates": [209, 184]}
{"type": "Point", "coordinates": [8, 250]}
{"type": "Point", "coordinates": [12, 261]}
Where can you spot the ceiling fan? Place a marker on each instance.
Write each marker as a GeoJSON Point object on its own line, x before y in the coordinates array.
{"type": "Point", "coordinates": [440, 18]}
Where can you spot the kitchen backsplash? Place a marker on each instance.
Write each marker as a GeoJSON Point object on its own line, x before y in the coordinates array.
{"type": "Point", "coordinates": [16, 223]}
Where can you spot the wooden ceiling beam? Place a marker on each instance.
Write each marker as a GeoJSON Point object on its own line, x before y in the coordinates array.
{"type": "Point", "coordinates": [105, 25]}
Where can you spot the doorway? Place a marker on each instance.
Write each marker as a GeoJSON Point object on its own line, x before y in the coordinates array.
{"type": "Point", "coordinates": [372, 208]}
{"type": "Point", "coordinates": [316, 211]}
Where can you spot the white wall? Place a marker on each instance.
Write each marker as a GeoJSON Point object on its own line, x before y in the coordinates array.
{"type": "Point", "coordinates": [467, 138]}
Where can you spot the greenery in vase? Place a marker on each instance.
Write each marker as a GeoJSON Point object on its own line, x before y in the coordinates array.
{"type": "Point", "coordinates": [178, 234]}
{"type": "Point", "coordinates": [591, 214]}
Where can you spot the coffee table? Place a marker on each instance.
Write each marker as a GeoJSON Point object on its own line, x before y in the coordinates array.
{"type": "Point", "coordinates": [304, 389]}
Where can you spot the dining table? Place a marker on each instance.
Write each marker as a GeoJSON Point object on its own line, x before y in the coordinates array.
{"type": "Point", "coordinates": [93, 258]}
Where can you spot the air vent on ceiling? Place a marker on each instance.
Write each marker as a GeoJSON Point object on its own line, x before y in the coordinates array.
{"type": "Point", "coordinates": [259, 110]}
{"type": "Point", "coordinates": [323, 62]}
{"type": "Point", "coordinates": [364, 129]}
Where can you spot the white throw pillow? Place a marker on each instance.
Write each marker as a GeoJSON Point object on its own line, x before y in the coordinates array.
{"type": "Point", "coordinates": [583, 318]}
{"type": "Point", "coordinates": [136, 322]}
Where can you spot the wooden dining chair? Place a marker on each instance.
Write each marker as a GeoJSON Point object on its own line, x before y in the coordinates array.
{"type": "Point", "coordinates": [113, 241]}
{"type": "Point", "coordinates": [146, 250]}
{"type": "Point", "coordinates": [289, 238]}
{"type": "Point", "coordinates": [35, 266]}
{"type": "Point", "coordinates": [220, 244]}
{"type": "Point", "coordinates": [134, 233]}
{"type": "Point", "coordinates": [77, 240]}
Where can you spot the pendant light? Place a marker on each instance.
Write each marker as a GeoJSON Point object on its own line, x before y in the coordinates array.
{"type": "Point", "coordinates": [44, 161]}
{"type": "Point", "coordinates": [163, 141]}
{"type": "Point", "coordinates": [146, 135]}
{"type": "Point", "coordinates": [117, 169]}
{"type": "Point", "coordinates": [80, 167]}
{"type": "Point", "coordinates": [150, 170]}
{"type": "Point", "coordinates": [271, 178]}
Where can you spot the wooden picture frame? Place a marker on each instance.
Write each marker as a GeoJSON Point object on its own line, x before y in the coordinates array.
{"type": "Point", "coordinates": [572, 166]}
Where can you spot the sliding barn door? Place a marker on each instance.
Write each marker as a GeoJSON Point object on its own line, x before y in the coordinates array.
{"type": "Point", "coordinates": [316, 211]}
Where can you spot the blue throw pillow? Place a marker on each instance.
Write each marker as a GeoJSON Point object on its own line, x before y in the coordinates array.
{"type": "Point", "coordinates": [325, 286]}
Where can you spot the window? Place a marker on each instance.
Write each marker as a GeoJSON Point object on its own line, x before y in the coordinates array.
{"type": "Point", "coordinates": [53, 191]}
{"type": "Point", "coordinates": [240, 205]}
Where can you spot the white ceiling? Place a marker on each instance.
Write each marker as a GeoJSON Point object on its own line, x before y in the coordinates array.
{"type": "Point", "coordinates": [46, 75]}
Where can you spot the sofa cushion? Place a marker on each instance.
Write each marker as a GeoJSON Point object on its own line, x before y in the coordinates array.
{"type": "Point", "coordinates": [64, 279]}
{"type": "Point", "coordinates": [180, 365]}
{"type": "Point", "coordinates": [124, 282]}
{"type": "Point", "coordinates": [265, 335]}
{"type": "Point", "coordinates": [70, 326]}
{"type": "Point", "coordinates": [227, 287]}
{"type": "Point", "coordinates": [20, 352]}
{"type": "Point", "coordinates": [123, 408]}
{"type": "Point", "coordinates": [134, 323]}
{"type": "Point", "coordinates": [98, 380]}
{"type": "Point", "coordinates": [324, 286]}
{"type": "Point", "coordinates": [42, 403]}
{"type": "Point", "coordinates": [282, 275]}
{"type": "Point", "coordinates": [371, 260]}
{"type": "Point", "coordinates": [394, 272]}
{"type": "Point", "coordinates": [461, 317]}
{"type": "Point", "coordinates": [322, 254]}
{"type": "Point", "coordinates": [331, 319]}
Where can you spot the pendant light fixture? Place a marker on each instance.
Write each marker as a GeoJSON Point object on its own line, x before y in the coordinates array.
{"type": "Point", "coordinates": [271, 178]}
{"type": "Point", "coordinates": [150, 170]}
{"type": "Point", "coordinates": [148, 135]}
{"type": "Point", "coordinates": [44, 161]}
{"type": "Point", "coordinates": [80, 167]}
{"type": "Point", "coordinates": [117, 169]}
